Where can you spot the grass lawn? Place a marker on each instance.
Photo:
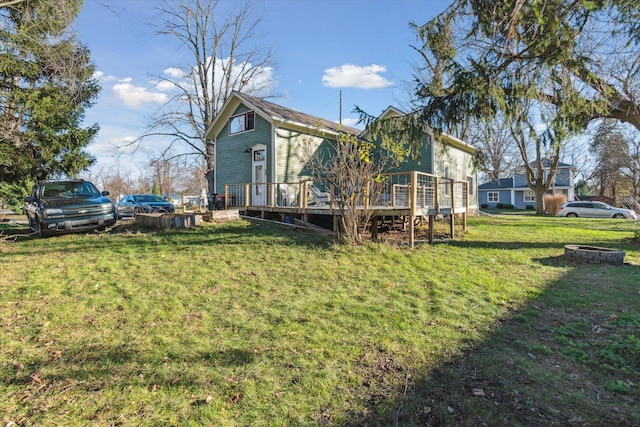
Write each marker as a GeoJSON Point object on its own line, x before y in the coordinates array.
{"type": "Point", "coordinates": [252, 324]}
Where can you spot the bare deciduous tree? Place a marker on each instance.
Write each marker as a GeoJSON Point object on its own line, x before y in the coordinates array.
{"type": "Point", "coordinates": [352, 168]}
{"type": "Point", "coordinates": [226, 56]}
{"type": "Point", "coordinates": [498, 146]}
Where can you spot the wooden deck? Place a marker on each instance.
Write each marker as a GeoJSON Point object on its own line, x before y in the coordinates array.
{"type": "Point", "coordinates": [411, 196]}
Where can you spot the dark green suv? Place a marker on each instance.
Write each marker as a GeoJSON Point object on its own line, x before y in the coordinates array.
{"type": "Point", "coordinates": [68, 206]}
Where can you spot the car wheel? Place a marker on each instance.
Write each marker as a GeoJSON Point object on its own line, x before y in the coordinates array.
{"type": "Point", "coordinates": [572, 215]}
{"type": "Point", "coordinates": [42, 232]}
{"type": "Point", "coordinates": [618, 216]}
{"type": "Point", "coordinates": [136, 211]}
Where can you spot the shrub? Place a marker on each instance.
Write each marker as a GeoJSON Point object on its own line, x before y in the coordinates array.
{"type": "Point", "coordinates": [484, 206]}
{"type": "Point", "coordinates": [552, 203]}
{"type": "Point", "coordinates": [509, 206]}
{"type": "Point", "coordinates": [530, 208]}
{"type": "Point", "coordinates": [500, 205]}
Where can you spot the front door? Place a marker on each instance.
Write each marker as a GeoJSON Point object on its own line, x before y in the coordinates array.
{"type": "Point", "coordinates": [259, 176]}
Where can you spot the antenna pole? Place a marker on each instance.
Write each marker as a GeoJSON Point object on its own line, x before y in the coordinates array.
{"type": "Point", "coordinates": [340, 106]}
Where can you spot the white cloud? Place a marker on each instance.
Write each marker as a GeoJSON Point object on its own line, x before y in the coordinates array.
{"type": "Point", "coordinates": [174, 72]}
{"type": "Point", "coordinates": [165, 86]}
{"type": "Point", "coordinates": [134, 96]}
{"type": "Point", "coordinates": [355, 76]}
{"type": "Point", "coordinates": [348, 121]}
{"type": "Point", "coordinates": [99, 75]}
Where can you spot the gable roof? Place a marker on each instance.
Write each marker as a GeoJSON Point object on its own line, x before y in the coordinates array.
{"type": "Point", "coordinates": [392, 111]}
{"type": "Point", "coordinates": [546, 163]}
{"type": "Point", "coordinates": [502, 183]}
{"type": "Point", "coordinates": [276, 115]}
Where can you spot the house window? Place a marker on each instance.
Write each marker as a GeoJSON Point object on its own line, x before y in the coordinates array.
{"type": "Point", "coordinates": [241, 123]}
{"type": "Point", "coordinates": [493, 196]}
{"type": "Point", "coordinates": [470, 181]}
{"type": "Point", "coordinates": [529, 196]}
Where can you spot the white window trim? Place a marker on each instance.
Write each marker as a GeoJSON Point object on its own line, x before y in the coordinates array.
{"type": "Point", "coordinates": [529, 196]}
{"type": "Point", "coordinates": [493, 193]}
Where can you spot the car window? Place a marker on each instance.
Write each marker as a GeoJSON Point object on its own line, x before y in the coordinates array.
{"type": "Point", "coordinates": [69, 189]}
{"type": "Point", "coordinates": [149, 198]}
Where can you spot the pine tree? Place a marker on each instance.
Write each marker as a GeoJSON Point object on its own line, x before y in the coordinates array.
{"type": "Point", "coordinates": [46, 84]}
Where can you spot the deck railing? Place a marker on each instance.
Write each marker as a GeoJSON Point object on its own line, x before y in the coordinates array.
{"type": "Point", "coordinates": [412, 190]}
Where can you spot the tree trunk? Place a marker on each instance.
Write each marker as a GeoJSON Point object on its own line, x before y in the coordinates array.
{"type": "Point", "coordinates": [540, 191]}
{"type": "Point", "coordinates": [209, 173]}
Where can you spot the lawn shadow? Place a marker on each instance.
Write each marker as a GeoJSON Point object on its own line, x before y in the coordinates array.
{"type": "Point", "coordinates": [551, 362]}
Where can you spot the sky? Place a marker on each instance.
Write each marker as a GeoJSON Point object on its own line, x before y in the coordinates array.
{"type": "Point", "coordinates": [322, 49]}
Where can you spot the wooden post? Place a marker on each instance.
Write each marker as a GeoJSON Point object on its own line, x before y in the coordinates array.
{"type": "Point", "coordinates": [305, 201]}
{"type": "Point", "coordinates": [374, 228]}
{"type": "Point", "coordinates": [226, 197]}
{"type": "Point", "coordinates": [247, 193]}
{"type": "Point", "coordinates": [436, 195]}
{"type": "Point", "coordinates": [412, 233]}
{"type": "Point", "coordinates": [393, 195]}
{"type": "Point", "coordinates": [331, 201]}
{"type": "Point", "coordinates": [453, 210]}
{"type": "Point", "coordinates": [432, 220]}
{"type": "Point", "coordinates": [466, 206]}
{"type": "Point", "coordinates": [302, 194]}
{"type": "Point", "coordinates": [412, 215]}
{"type": "Point", "coordinates": [272, 192]}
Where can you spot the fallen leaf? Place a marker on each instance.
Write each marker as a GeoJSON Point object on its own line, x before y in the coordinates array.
{"type": "Point", "coordinates": [30, 379]}
{"type": "Point", "coordinates": [478, 392]}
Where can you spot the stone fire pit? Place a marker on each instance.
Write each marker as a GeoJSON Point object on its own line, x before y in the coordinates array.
{"type": "Point", "coordinates": [593, 254]}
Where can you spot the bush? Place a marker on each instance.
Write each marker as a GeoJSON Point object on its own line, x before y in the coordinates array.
{"type": "Point", "coordinates": [484, 206]}
{"type": "Point", "coordinates": [509, 206]}
{"type": "Point", "coordinates": [552, 203]}
{"type": "Point", "coordinates": [500, 205]}
{"type": "Point", "coordinates": [530, 208]}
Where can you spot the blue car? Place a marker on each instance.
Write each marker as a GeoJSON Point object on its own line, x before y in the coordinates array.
{"type": "Point", "coordinates": [132, 204]}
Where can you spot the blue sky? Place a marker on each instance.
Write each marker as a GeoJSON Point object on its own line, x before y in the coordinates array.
{"type": "Point", "coordinates": [321, 47]}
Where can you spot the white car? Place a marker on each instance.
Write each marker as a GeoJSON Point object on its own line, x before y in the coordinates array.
{"type": "Point", "coordinates": [594, 210]}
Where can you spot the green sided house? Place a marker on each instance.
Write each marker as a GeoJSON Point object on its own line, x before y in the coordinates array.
{"type": "Point", "coordinates": [260, 157]}
{"type": "Point", "coordinates": [260, 142]}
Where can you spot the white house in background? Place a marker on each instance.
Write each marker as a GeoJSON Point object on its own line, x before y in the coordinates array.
{"type": "Point", "coordinates": [515, 191]}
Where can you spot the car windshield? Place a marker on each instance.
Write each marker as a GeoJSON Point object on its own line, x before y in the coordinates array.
{"type": "Point", "coordinates": [69, 189]}
{"type": "Point", "coordinates": [148, 198]}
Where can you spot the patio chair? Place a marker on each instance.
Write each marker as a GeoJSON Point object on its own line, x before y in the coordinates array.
{"type": "Point", "coordinates": [318, 197]}
{"type": "Point", "coordinates": [287, 195]}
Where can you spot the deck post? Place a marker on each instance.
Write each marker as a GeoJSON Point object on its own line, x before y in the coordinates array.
{"type": "Point", "coordinates": [453, 210]}
{"type": "Point", "coordinates": [413, 210]}
{"type": "Point", "coordinates": [331, 197]}
{"type": "Point", "coordinates": [466, 207]}
{"type": "Point", "coordinates": [272, 192]}
{"type": "Point", "coordinates": [305, 201]}
{"type": "Point", "coordinates": [374, 228]}
{"type": "Point", "coordinates": [302, 191]}
{"type": "Point", "coordinates": [247, 193]}
{"type": "Point", "coordinates": [436, 195]}
{"type": "Point", "coordinates": [412, 233]}
{"type": "Point", "coordinates": [226, 197]}
{"type": "Point", "coordinates": [432, 220]}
